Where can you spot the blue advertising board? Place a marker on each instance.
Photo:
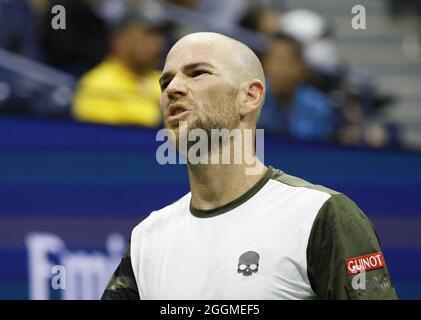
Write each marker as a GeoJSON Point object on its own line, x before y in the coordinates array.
{"type": "Point", "coordinates": [70, 193]}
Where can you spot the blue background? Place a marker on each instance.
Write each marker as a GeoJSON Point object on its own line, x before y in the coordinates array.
{"type": "Point", "coordinates": [83, 182]}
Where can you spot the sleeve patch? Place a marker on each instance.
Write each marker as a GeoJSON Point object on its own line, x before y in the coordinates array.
{"type": "Point", "coordinates": [364, 263]}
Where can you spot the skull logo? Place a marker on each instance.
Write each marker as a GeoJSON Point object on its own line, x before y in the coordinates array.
{"type": "Point", "coordinates": [248, 263]}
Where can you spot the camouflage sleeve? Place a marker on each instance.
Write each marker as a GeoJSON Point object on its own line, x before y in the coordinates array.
{"type": "Point", "coordinates": [122, 285]}
{"type": "Point", "coordinates": [343, 239]}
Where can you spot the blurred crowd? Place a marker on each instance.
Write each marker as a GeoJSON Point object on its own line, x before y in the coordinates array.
{"type": "Point", "coordinates": [104, 66]}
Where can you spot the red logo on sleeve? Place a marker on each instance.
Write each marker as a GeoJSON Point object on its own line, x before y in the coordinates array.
{"type": "Point", "coordinates": [364, 263]}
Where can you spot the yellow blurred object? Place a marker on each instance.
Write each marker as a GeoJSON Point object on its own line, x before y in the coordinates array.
{"type": "Point", "coordinates": [112, 94]}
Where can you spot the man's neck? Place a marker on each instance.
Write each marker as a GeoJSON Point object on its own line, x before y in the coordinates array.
{"type": "Point", "coordinates": [214, 185]}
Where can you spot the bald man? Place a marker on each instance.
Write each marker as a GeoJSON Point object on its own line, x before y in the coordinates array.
{"type": "Point", "coordinates": [266, 235]}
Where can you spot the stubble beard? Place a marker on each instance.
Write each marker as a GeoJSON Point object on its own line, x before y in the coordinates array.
{"type": "Point", "coordinates": [220, 115]}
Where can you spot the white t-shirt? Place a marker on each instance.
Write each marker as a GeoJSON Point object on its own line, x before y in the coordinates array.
{"type": "Point", "coordinates": [255, 247]}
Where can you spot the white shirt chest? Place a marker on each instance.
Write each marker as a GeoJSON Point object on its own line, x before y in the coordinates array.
{"type": "Point", "coordinates": [255, 251]}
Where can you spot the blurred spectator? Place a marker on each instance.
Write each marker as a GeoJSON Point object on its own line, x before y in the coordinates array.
{"type": "Point", "coordinates": [259, 19]}
{"type": "Point", "coordinates": [292, 108]}
{"type": "Point", "coordinates": [360, 100]}
{"type": "Point", "coordinates": [310, 29]}
{"type": "Point", "coordinates": [358, 126]}
{"type": "Point", "coordinates": [124, 88]}
{"type": "Point", "coordinates": [82, 44]}
{"type": "Point", "coordinates": [313, 32]}
{"type": "Point", "coordinates": [352, 91]}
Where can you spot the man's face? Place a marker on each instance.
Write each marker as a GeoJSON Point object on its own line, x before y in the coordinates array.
{"type": "Point", "coordinates": [197, 87]}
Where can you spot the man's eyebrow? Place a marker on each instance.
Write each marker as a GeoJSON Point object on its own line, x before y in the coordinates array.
{"type": "Point", "coordinates": [188, 67]}
{"type": "Point", "coordinates": [164, 77]}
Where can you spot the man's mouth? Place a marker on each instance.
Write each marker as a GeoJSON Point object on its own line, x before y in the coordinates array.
{"type": "Point", "coordinates": [177, 111]}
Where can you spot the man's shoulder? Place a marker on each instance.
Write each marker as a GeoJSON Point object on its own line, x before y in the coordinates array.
{"type": "Point", "coordinates": [331, 207]}
{"type": "Point", "coordinates": [336, 205]}
{"type": "Point", "coordinates": [299, 198]}
{"type": "Point", "coordinates": [164, 216]}
{"type": "Point", "coordinates": [300, 185]}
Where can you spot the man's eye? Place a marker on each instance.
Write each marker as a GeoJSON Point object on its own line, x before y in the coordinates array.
{"type": "Point", "coordinates": [199, 72]}
{"type": "Point", "coordinates": [164, 85]}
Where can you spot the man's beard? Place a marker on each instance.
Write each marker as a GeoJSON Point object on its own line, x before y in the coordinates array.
{"type": "Point", "coordinates": [185, 130]}
{"type": "Point", "coordinates": [214, 123]}
{"type": "Point", "coordinates": [220, 117]}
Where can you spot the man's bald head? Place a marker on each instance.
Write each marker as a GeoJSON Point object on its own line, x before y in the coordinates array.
{"type": "Point", "coordinates": [219, 79]}
{"type": "Point", "coordinates": [241, 61]}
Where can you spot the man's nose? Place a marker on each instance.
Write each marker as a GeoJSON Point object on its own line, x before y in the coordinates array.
{"type": "Point", "coordinates": [176, 88]}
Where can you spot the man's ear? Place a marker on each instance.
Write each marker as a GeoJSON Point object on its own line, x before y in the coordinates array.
{"type": "Point", "coordinates": [252, 98]}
